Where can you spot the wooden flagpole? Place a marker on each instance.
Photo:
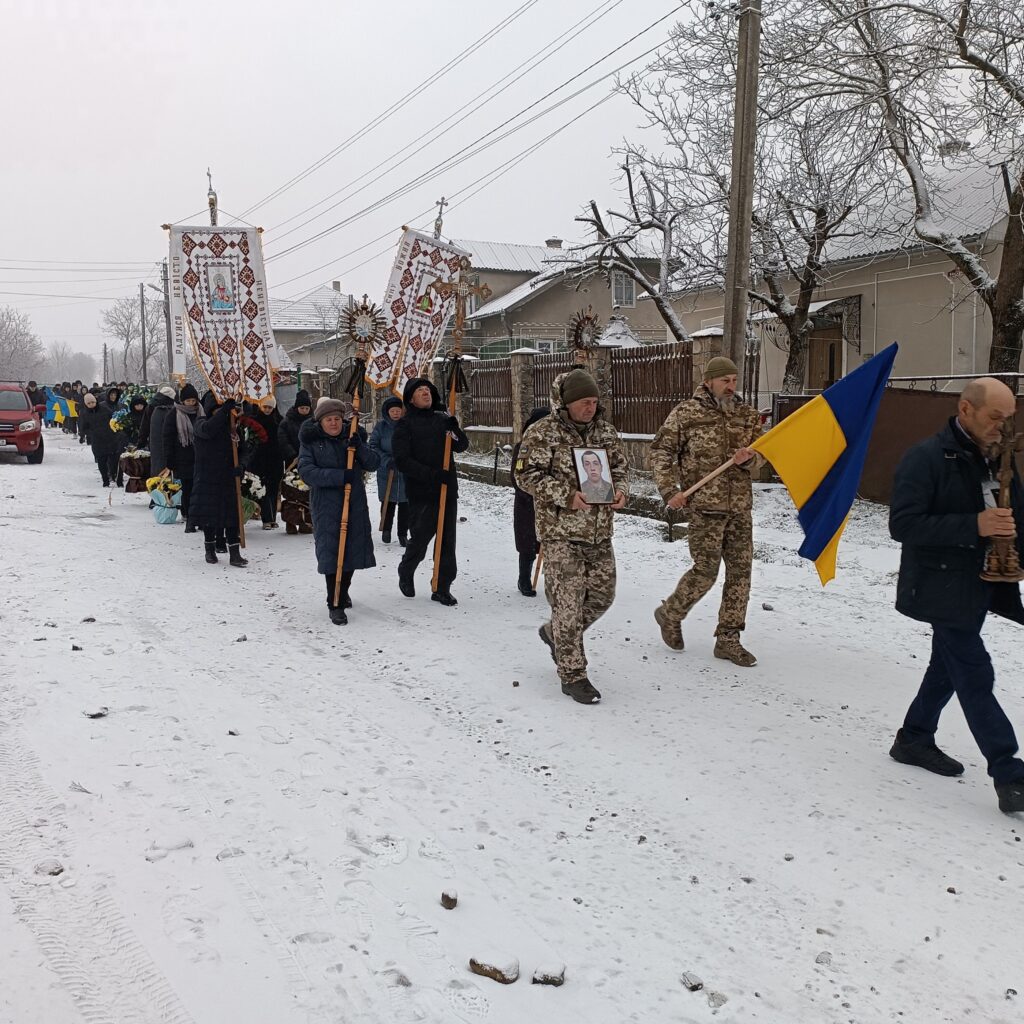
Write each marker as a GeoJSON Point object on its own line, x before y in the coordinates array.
{"type": "Point", "coordinates": [387, 498]}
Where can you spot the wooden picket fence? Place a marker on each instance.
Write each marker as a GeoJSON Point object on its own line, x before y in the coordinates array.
{"type": "Point", "coordinates": [647, 383]}
{"type": "Point", "coordinates": [490, 385]}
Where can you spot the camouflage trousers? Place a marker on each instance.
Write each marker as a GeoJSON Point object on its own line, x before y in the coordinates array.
{"type": "Point", "coordinates": [714, 538]}
{"type": "Point", "coordinates": [579, 582]}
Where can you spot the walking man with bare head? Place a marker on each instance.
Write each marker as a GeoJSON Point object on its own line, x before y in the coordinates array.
{"type": "Point", "coordinates": [944, 512]}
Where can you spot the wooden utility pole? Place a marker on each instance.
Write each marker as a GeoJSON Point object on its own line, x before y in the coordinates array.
{"type": "Point", "coordinates": [741, 193]}
{"type": "Point", "coordinates": [142, 322]}
{"type": "Point", "coordinates": [167, 323]}
{"type": "Point", "coordinates": [106, 379]}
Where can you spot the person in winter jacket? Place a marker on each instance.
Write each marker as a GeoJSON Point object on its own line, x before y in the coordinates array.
{"type": "Point", "coordinates": [944, 512]}
{"type": "Point", "coordinates": [524, 521]}
{"type": "Point", "coordinates": [324, 444]}
{"type": "Point", "coordinates": [418, 447]}
{"type": "Point", "coordinates": [390, 483]}
{"type": "Point", "coordinates": [579, 563]}
{"type": "Point", "coordinates": [213, 504]}
{"type": "Point", "coordinates": [160, 408]}
{"type": "Point", "coordinates": [699, 435]}
{"type": "Point", "coordinates": [104, 442]}
{"type": "Point", "coordinates": [288, 431]}
{"type": "Point", "coordinates": [265, 459]}
{"type": "Point", "coordinates": [133, 428]}
{"type": "Point", "coordinates": [179, 446]}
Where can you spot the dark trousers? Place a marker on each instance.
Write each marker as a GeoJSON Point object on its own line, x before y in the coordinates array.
{"type": "Point", "coordinates": [403, 517]}
{"type": "Point", "coordinates": [186, 496]}
{"type": "Point", "coordinates": [961, 665]}
{"type": "Point", "coordinates": [422, 528]}
{"type": "Point", "coordinates": [227, 535]}
{"type": "Point", "coordinates": [107, 461]}
{"type": "Point", "coordinates": [346, 582]}
{"type": "Point", "coordinates": [268, 503]}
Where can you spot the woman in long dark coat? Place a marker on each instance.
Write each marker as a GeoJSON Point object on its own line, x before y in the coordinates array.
{"type": "Point", "coordinates": [323, 461]}
{"type": "Point", "coordinates": [105, 444]}
{"type": "Point", "coordinates": [380, 441]}
{"type": "Point", "coordinates": [213, 507]}
{"type": "Point", "coordinates": [266, 461]}
{"type": "Point", "coordinates": [179, 446]}
{"type": "Point", "coordinates": [524, 521]}
{"type": "Point", "coordinates": [288, 431]}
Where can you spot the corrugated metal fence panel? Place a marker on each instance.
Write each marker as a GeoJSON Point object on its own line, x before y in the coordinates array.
{"type": "Point", "coordinates": [490, 384]}
{"type": "Point", "coordinates": [546, 368]}
{"type": "Point", "coordinates": [648, 383]}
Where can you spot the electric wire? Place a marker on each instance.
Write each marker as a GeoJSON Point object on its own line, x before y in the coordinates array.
{"type": "Point", "coordinates": [397, 105]}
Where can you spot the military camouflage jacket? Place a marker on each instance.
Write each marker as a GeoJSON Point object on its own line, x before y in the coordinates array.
{"type": "Point", "coordinates": [698, 437]}
{"type": "Point", "coordinates": [545, 469]}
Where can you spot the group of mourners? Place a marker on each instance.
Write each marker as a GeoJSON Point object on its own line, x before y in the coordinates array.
{"type": "Point", "coordinates": [571, 478]}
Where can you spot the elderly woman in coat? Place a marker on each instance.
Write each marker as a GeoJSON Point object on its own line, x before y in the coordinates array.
{"type": "Point", "coordinates": [380, 441]}
{"type": "Point", "coordinates": [324, 445]}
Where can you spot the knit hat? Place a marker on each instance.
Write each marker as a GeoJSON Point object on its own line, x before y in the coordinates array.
{"type": "Point", "coordinates": [578, 384]}
{"type": "Point", "coordinates": [90, 400]}
{"type": "Point", "coordinates": [414, 385]}
{"type": "Point", "coordinates": [188, 391]}
{"type": "Point", "coordinates": [720, 366]}
{"type": "Point", "coordinates": [166, 390]}
{"type": "Point", "coordinates": [270, 402]}
{"type": "Point", "coordinates": [328, 407]}
{"type": "Point", "coordinates": [302, 398]}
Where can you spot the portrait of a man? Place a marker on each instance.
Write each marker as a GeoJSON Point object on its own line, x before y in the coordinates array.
{"type": "Point", "coordinates": [595, 477]}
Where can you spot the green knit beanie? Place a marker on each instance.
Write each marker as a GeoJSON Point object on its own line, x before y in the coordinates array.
{"type": "Point", "coordinates": [720, 366]}
{"type": "Point", "coordinates": [578, 384]}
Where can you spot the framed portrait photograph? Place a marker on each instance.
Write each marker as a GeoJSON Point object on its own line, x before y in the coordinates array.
{"type": "Point", "coordinates": [594, 473]}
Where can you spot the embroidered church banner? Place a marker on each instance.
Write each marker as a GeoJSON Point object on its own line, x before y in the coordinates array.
{"type": "Point", "coordinates": [415, 315]}
{"type": "Point", "coordinates": [219, 309]}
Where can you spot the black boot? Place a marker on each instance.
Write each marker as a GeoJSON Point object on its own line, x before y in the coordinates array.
{"type": "Point", "coordinates": [1011, 797]}
{"type": "Point", "coordinates": [526, 576]}
{"type": "Point", "coordinates": [338, 616]}
{"type": "Point", "coordinates": [386, 536]}
{"type": "Point", "coordinates": [222, 546]}
{"type": "Point", "coordinates": [236, 558]}
{"type": "Point", "coordinates": [211, 554]}
{"type": "Point", "coordinates": [403, 539]}
{"type": "Point", "coordinates": [405, 585]}
{"type": "Point", "coordinates": [924, 755]}
{"type": "Point", "coordinates": [444, 597]}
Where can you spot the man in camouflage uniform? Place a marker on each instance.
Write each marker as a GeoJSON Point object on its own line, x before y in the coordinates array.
{"type": "Point", "coordinates": [576, 537]}
{"type": "Point", "coordinates": [700, 435]}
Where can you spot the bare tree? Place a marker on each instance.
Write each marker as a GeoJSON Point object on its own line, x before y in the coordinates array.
{"type": "Point", "coordinates": [21, 352]}
{"type": "Point", "coordinates": [821, 172]}
{"type": "Point", "coordinates": [58, 361]}
{"type": "Point", "coordinates": [944, 81]}
{"type": "Point", "coordinates": [122, 322]}
{"type": "Point", "coordinates": [330, 331]}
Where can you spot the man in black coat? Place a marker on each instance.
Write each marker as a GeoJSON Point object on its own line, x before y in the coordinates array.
{"type": "Point", "coordinates": [944, 512]}
{"type": "Point", "coordinates": [418, 447]}
{"type": "Point", "coordinates": [213, 507]}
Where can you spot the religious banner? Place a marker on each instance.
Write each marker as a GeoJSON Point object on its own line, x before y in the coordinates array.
{"type": "Point", "coordinates": [219, 309]}
{"type": "Point", "coordinates": [416, 314]}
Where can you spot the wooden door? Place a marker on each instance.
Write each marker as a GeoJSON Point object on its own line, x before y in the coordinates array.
{"type": "Point", "coordinates": [824, 358]}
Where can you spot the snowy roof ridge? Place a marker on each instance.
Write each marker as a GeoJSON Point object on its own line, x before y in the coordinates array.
{"type": "Point", "coordinates": [513, 257]}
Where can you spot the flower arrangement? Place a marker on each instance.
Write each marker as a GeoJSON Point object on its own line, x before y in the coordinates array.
{"type": "Point", "coordinates": [293, 480]}
{"type": "Point", "coordinates": [166, 485]}
{"type": "Point", "coordinates": [252, 487]}
{"type": "Point", "coordinates": [251, 432]}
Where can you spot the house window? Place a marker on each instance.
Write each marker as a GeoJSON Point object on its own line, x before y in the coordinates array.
{"type": "Point", "coordinates": [623, 290]}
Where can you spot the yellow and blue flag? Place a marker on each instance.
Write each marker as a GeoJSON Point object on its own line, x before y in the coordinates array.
{"type": "Point", "coordinates": [819, 453]}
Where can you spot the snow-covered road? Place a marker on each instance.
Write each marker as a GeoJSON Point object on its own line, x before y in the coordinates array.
{"type": "Point", "coordinates": [259, 829]}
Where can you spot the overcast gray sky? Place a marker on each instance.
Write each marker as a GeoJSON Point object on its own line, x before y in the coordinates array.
{"type": "Point", "coordinates": [113, 109]}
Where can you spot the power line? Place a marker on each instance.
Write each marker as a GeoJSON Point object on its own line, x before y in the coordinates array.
{"type": "Point", "coordinates": [397, 105]}
{"type": "Point", "coordinates": [473, 150]}
{"type": "Point", "coordinates": [109, 264]}
{"type": "Point", "coordinates": [484, 99]}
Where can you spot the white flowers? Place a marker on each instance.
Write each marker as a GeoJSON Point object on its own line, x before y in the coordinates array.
{"type": "Point", "coordinates": [252, 486]}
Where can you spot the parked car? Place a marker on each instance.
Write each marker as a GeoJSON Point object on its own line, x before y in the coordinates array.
{"type": "Point", "coordinates": [20, 423]}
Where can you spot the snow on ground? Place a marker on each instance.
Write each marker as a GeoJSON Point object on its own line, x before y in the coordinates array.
{"type": "Point", "coordinates": [260, 828]}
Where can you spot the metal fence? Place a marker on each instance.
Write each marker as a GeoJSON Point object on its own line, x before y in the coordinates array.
{"type": "Point", "coordinates": [490, 385]}
{"type": "Point", "coordinates": [647, 383]}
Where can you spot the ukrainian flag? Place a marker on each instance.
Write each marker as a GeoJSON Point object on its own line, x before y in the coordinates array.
{"type": "Point", "coordinates": [819, 453]}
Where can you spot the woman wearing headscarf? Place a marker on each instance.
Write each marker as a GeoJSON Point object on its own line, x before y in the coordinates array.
{"type": "Point", "coordinates": [524, 521]}
{"type": "Point", "coordinates": [323, 465]}
{"type": "Point", "coordinates": [213, 504]}
{"type": "Point", "coordinates": [179, 445]}
{"type": "Point", "coordinates": [103, 440]}
{"type": "Point", "coordinates": [380, 441]}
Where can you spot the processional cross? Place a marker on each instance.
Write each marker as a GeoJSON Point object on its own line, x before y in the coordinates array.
{"type": "Point", "coordinates": [1002, 565]}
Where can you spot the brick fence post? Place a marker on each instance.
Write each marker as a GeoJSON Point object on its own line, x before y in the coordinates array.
{"type": "Point", "coordinates": [522, 391]}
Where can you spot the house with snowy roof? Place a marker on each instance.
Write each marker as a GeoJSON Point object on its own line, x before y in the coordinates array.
{"type": "Point", "coordinates": [309, 328]}
{"type": "Point", "coordinates": [881, 286]}
{"type": "Point", "coordinates": [533, 301]}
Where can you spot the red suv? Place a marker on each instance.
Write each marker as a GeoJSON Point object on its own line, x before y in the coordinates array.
{"type": "Point", "coordinates": [20, 426]}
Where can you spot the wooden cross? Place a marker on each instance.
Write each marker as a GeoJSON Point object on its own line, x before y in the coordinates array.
{"type": "Point", "coordinates": [462, 290]}
{"type": "Point", "coordinates": [1002, 563]}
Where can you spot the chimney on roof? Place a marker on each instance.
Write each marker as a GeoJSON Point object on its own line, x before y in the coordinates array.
{"type": "Point", "coordinates": [336, 285]}
{"type": "Point", "coordinates": [553, 243]}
